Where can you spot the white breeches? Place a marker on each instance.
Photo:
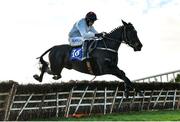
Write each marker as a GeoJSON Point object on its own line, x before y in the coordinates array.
{"type": "Point", "coordinates": [76, 41]}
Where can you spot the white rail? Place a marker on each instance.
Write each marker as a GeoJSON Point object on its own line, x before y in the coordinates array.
{"type": "Point", "coordinates": [108, 100]}
{"type": "Point", "coordinates": [163, 77]}
{"type": "Point", "coordinates": [75, 100]}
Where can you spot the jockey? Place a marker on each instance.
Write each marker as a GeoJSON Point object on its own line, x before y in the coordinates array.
{"type": "Point", "coordinates": [83, 31]}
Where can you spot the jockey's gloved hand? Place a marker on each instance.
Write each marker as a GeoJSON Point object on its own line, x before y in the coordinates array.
{"type": "Point", "coordinates": [100, 34]}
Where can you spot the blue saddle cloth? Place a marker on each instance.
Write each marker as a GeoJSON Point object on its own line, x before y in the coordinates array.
{"type": "Point", "coordinates": [76, 53]}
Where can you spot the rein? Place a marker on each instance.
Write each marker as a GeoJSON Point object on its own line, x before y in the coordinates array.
{"type": "Point", "coordinates": [111, 39]}
{"type": "Point", "coordinates": [124, 35]}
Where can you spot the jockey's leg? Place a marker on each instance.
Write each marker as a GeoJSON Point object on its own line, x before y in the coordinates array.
{"type": "Point", "coordinates": [85, 53]}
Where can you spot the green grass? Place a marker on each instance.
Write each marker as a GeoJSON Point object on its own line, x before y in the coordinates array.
{"type": "Point", "coordinates": [128, 116]}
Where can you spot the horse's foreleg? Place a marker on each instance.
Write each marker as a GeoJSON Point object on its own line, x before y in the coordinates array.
{"type": "Point", "coordinates": [127, 83]}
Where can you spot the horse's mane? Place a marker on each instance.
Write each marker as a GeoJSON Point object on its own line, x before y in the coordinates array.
{"type": "Point", "coordinates": [115, 30]}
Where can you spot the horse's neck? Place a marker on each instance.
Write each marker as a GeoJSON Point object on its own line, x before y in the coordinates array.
{"type": "Point", "coordinates": [114, 39]}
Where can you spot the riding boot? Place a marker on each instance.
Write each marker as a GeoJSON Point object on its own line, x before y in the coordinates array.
{"type": "Point", "coordinates": [85, 53]}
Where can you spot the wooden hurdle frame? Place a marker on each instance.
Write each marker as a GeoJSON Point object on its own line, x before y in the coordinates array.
{"type": "Point", "coordinates": [71, 103]}
{"type": "Point", "coordinates": [149, 101]}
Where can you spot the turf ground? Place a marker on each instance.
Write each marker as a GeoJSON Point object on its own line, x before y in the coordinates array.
{"type": "Point", "coordinates": [167, 115]}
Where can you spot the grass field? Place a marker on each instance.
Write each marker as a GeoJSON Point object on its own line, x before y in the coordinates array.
{"type": "Point", "coordinates": [167, 115]}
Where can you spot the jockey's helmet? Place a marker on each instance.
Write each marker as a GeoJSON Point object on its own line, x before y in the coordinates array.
{"type": "Point", "coordinates": [91, 16]}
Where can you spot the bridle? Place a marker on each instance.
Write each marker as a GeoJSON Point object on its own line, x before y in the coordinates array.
{"type": "Point", "coordinates": [124, 38]}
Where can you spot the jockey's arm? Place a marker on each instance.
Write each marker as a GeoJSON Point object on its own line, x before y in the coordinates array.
{"type": "Point", "coordinates": [82, 29]}
{"type": "Point", "coordinates": [93, 30]}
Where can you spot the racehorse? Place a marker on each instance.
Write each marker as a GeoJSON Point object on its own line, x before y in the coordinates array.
{"type": "Point", "coordinates": [104, 56]}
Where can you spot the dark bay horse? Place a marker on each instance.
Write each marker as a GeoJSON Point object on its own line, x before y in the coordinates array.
{"type": "Point", "coordinates": [104, 57]}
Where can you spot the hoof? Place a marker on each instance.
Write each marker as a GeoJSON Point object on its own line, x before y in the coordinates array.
{"type": "Point", "coordinates": [57, 77]}
{"type": "Point", "coordinates": [36, 77]}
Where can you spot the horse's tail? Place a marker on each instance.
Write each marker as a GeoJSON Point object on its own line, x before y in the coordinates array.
{"type": "Point", "coordinates": [44, 53]}
{"type": "Point", "coordinates": [44, 66]}
{"type": "Point", "coordinates": [44, 63]}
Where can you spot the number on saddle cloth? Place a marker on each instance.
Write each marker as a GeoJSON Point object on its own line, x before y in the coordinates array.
{"type": "Point", "coordinates": [76, 54]}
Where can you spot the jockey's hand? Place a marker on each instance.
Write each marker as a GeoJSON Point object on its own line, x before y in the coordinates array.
{"type": "Point", "coordinates": [100, 34]}
{"type": "Point", "coordinates": [104, 33]}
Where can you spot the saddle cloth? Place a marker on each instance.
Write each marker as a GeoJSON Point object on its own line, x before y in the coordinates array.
{"type": "Point", "coordinates": [76, 53]}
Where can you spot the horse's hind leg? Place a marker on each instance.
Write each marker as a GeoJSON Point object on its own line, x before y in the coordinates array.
{"type": "Point", "coordinates": [43, 70]}
{"type": "Point", "coordinates": [57, 74]}
{"type": "Point", "coordinates": [56, 69]}
{"type": "Point", "coordinates": [39, 78]}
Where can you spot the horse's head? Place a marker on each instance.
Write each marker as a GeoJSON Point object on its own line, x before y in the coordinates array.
{"type": "Point", "coordinates": [130, 36]}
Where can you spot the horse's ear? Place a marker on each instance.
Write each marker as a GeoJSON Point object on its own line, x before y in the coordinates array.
{"type": "Point", "coordinates": [124, 23]}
